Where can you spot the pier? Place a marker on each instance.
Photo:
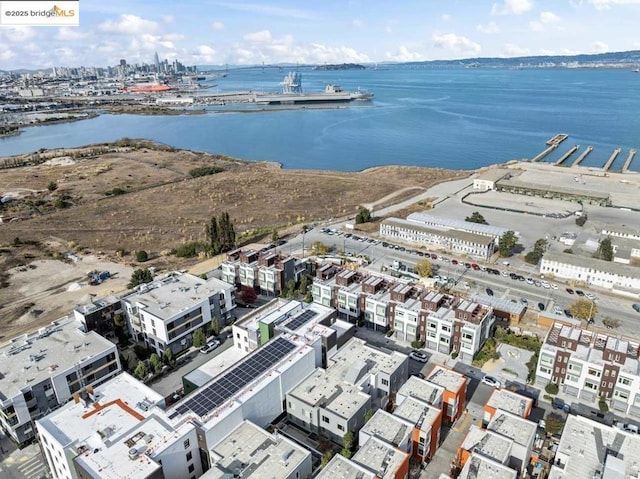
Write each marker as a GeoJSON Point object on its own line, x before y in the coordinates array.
{"type": "Point", "coordinates": [544, 154]}
{"type": "Point", "coordinates": [566, 156]}
{"type": "Point", "coordinates": [611, 159]}
{"type": "Point", "coordinates": [627, 162]}
{"type": "Point", "coordinates": [557, 139]}
{"type": "Point", "coordinates": [583, 156]}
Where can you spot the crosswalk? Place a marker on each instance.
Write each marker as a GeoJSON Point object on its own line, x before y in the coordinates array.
{"type": "Point", "coordinates": [34, 468]}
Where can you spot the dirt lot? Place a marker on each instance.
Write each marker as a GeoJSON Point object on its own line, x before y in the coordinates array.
{"type": "Point", "coordinates": [158, 207]}
{"type": "Point", "coordinates": [50, 289]}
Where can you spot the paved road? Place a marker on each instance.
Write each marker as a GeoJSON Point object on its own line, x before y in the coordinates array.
{"type": "Point", "coordinates": [26, 463]}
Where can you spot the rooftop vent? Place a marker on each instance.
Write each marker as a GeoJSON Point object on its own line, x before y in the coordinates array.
{"type": "Point", "coordinates": [133, 453]}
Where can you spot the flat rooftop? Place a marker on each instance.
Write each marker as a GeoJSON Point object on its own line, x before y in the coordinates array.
{"type": "Point", "coordinates": [342, 468]}
{"type": "Point", "coordinates": [276, 310]}
{"type": "Point", "coordinates": [215, 366]}
{"type": "Point", "coordinates": [593, 263]}
{"type": "Point", "coordinates": [583, 450]}
{"type": "Point", "coordinates": [380, 457]}
{"type": "Point", "coordinates": [118, 405]}
{"type": "Point", "coordinates": [311, 315]}
{"type": "Point", "coordinates": [376, 360]}
{"type": "Point", "coordinates": [473, 238]}
{"type": "Point", "coordinates": [487, 443]}
{"type": "Point", "coordinates": [479, 467]}
{"type": "Point", "coordinates": [250, 451]}
{"type": "Point", "coordinates": [325, 389]}
{"type": "Point", "coordinates": [446, 378]}
{"type": "Point", "coordinates": [417, 412]}
{"type": "Point", "coordinates": [389, 427]}
{"type": "Point", "coordinates": [423, 390]}
{"type": "Point", "coordinates": [522, 431]}
{"type": "Point", "coordinates": [510, 401]}
{"type": "Point", "coordinates": [167, 297]}
{"type": "Point", "coordinates": [34, 357]}
{"type": "Point", "coordinates": [237, 379]}
{"type": "Point", "coordinates": [96, 305]}
{"type": "Point", "coordinates": [456, 224]}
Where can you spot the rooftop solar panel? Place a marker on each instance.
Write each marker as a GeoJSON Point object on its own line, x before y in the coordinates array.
{"type": "Point", "coordinates": [302, 319]}
{"type": "Point", "coordinates": [234, 379]}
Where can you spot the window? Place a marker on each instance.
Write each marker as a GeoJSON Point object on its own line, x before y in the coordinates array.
{"type": "Point", "coordinates": [340, 427]}
{"type": "Point", "coordinates": [191, 468]}
{"type": "Point", "coordinates": [186, 444]}
{"type": "Point", "coordinates": [325, 419]}
{"type": "Point", "coordinates": [384, 382]}
{"type": "Point", "coordinates": [624, 381]}
{"type": "Point", "coordinates": [189, 456]}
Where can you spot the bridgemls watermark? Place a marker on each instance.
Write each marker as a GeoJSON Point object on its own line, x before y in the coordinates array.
{"type": "Point", "coordinates": [37, 13]}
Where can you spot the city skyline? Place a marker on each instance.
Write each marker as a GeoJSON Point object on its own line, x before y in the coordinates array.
{"type": "Point", "coordinates": [220, 32]}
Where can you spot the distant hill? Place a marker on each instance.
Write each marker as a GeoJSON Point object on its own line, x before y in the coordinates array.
{"type": "Point", "coordinates": [591, 60]}
{"type": "Point", "coordinates": [341, 66]}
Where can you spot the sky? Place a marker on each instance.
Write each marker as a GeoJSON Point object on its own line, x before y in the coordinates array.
{"type": "Point", "coordinates": [243, 32]}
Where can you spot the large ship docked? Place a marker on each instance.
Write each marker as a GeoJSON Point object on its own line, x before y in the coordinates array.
{"type": "Point", "coordinates": [292, 94]}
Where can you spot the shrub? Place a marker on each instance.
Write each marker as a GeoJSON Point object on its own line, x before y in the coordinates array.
{"type": "Point", "coordinates": [115, 191]}
{"type": "Point", "coordinates": [552, 388]}
{"type": "Point", "coordinates": [417, 344]}
{"type": "Point", "coordinates": [553, 423]}
{"type": "Point", "coordinates": [389, 333]}
{"type": "Point", "coordinates": [602, 405]}
{"type": "Point", "coordinates": [189, 250]}
{"type": "Point", "coordinates": [454, 354]}
{"type": "Point", "coordinates": [52, 186]}
{"type": "Point", "coordinates": [141, 256]}
{"type": "Point", "coordinates": [581, 220]}
{"type": "Point", "coordinates": [204, 171]}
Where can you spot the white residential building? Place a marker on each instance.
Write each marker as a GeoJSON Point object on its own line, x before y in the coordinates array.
{"type": "Point", "coordinates": [42, 370]}
{"type": "Point", "coordinates": [251, 452]}
{"type": "Point", "coordinates": [340, 467]}
{"type": "Point", "coordinates": [487, 180]}
{"type": "Point", "coordinates": [117, 431]}
{"type": "Point", "coordinates": [479, 466]}
{"type": "Point", "coordinates": [605, 274]}
{"type": "Point", "coordinates": [358, 378]}
{"type": "Point", "coordinates": [590, 449]}
{"type": "Point", "coordinates": [165, 313]}
{"type": "Point", "coordinates": [523, 434]}
{"type": "Point", "coordinates": [470, 244]}
{"type": "Point", "coordinates": [454, 224]}
{"type": "Point", "coordinates": [589, 365]}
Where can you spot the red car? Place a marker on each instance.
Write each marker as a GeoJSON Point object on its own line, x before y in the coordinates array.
{"type": "Point", "coordinates": [454, 261]}
{"type": "Point", "coordinates": [475, 266]}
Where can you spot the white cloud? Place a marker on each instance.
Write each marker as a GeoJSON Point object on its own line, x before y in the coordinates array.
{"type": "Point", "coordinates": [6, 54]}
{"type": "Point", "coordinates": [512, 7]}
{"type": "Point", "coordinates": [258, 37]}
{"type": "Point", "coordinates": [536, 26]}
{"type": "Point", "coordinates": [489, 28]}
{"type": "Point", "coordinates": [204, 54]}
{"type": "Point", "coordinates": [168, 18]}
{"type": "Point", "coordinates": [607, 4]}
{"type": "Point", "coordinates": [269, 10]}
{"type": "Point", "coordinates": [357, 23]}
{"type": "Point", "coordinates": [549, 17]}
{"type": "Point", "coordinates": [70, 34]}
{"type": "Point", "coordinates": [129, 25]}
{"type": "Point", "coordinates": [403, 54]}
{"type": "Point", "coordinates": [388, 29]}
{"type": "Point", "coordinates": [513, 50]}
{"type": "Point", "coordinates": [217, 26]}
{"type": "Point", "coordinates": [18, 34]}
{"type": "Point", "coordinates": [446, 17]}
{"type": "Point", "coordinates": [600, 47]}
{"type": "Point", "coordinates": [457, 43]}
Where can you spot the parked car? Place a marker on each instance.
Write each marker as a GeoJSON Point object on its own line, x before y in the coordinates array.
{"type": "Point", "coordinates": [579, 292]}
{"type": "Point", "coordinates": [636, 307]}
{"type": "Point", "coordinates": [491, 381]}
{"type": "Point", "coordinates": [541, 306]}
{"type": "Point", "coordinates": [567, 313]}
{"type": "Point", "coordinates": [210, 346]}
{"type": "Point", "coordinates": [591, 296]}
{"type": "Point", "coordinates": [489, 291]}
{"type": "Point", "coordinates": [418, 356]}
{"type": "Point", "coordinates": [558, 403]}
{"type": "Point", "coordinates": [558, 310]}
{"type": "Point", "coordinates": [524, 301]}
{"type": "Point", "coordinates": [632, 428]}
{"type": "Point", "coordinates": [570, 291]}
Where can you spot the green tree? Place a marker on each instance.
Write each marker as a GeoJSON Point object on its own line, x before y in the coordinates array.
{"type": "Point", "coordinates": [167, 357]}
{"type": "Point", "coordinates": [581, 220]}
{"type": "Point", "coordinates": [583, 308]}
{"type": "Point", "coordinates": [553, 423]}
{"type": "Point", "coordinates": [476, 217]}
{"type": "Point", "coordinates": [348, 444]}
{"type": "Point", "coordinates": [155, 363]}
{"type": "Point", "coordinates": [199, 338]}
{"type": "Point", "coordinates": [326, 458]}
{"type": "Point", "coordinates": [290, 289]}
{"type": "Point", "coordinates": [605, 250]}
{"type": "Point", "coordinates": [552, 388]}
{"type": "Point", "coordinates": [423, 268]}
{"type": "Point", "coordinates": [363, 216]}
{"type": "Point", "coordinates": [215, 326]}
{"type": "Point", "coordinates": [368, 415]}
{"type": "Point", "coordinates": [141, 256]}
{"type": "Point", "coordinates": [140, 276]}
{"type": "Point", "coordinates": [52, 186]}
{"type": "Point", "coordinates": [534, 256]}
{"type": "Point", "coordinates": [319, 248]}
{"type": "Point", "coordinates": [274, 236]}
{"type": "Point", "coordinates": [213, 235]}
{"type": "Point", "coordinates": [506, 243]}
{"type": "Point", "coordinates": [303, 287]}
{"type": "Point", "coordinates": [60, 202]}
{"type": "Point", "coordinates": [141, 371]}
{"type": "Point", "coordinates": [124, 362]}
{"type": "Point", "coordinates": [602, 404]}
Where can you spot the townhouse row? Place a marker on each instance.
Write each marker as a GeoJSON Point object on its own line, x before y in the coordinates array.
{"type": "Point", "coordinates": [445, 323]}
